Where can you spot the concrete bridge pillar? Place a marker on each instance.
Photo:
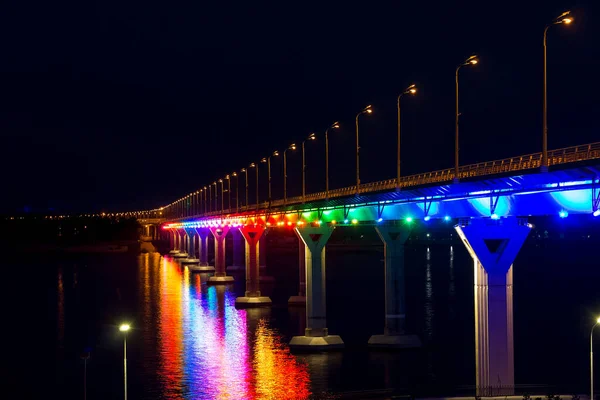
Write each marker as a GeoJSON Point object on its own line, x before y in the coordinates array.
{"type": "Point", "coordinates": [238, 250]}
{"type": "Point", "coordinates": [300, 300]}
{"type": "Point", "coordinates": [253, 235]}
{"type": "Point", "coordinates": [394, 335]}
{"type": "Point", "coordinates": [203, 250]}
{"type": "Point", "coordinates": [172, 240]}
{"type": "Point", "coordinates": [220, 276]}
{"type": "Point", "coordinates": [316, 336]}
{"type": "Point", "coordinates": [494, 245]}
{"type": "Point", "coordinates": [190, 234]}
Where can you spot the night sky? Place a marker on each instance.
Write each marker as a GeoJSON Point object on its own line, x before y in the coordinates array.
{"type": "Point", "coordinates": [121, 106]}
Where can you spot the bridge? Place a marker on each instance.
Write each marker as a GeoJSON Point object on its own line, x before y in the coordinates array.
{"type": "Point", "coordinates": [488, 203]}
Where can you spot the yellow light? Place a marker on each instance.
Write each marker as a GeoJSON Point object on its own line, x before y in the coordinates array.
{"type": "Point", "coordinates": [355, 221]}
{"type": "Point", "coordinates": [333, 222]}
{"type": "Point", "coordinates": [124, 327]}
{"type": "Point", "coordinates": [369, 111]}
{"type": "Point", "coordinates": [413, 90]}
{"type": "Point", "coordinates": [474, 62]}
{"type": "Point", "coordinates": [598, 320]}
{"type": "Point", "coordinates": [567, 20]}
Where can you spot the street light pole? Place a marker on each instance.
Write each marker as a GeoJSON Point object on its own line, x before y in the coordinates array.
{"type": "Point", "coordinates": [592, 360]}
{"type": "Point", "coordinates": [312, 136]}
{"type": "Point", "coordinates": [254, 165]}
{"type": "Point", "coordinates": [210, 198]}
{"type": "Point", "coordinates": [228, 192]}
{"type": "Point", "coordinates": [246, 171]}
{"type": "Point", "coordinates": [237, 192]}
{"type": "Point", "coordinates": [366, 110]}
{"type": "Point", "coordinates": [124, 328]}
{"type": "Point", "coordinates": [335, 125]}
{"type": "Point", "coordinates": [567, 19]}
{"type": "Point", "coordinates": [409, 90]}
{"type": "Point", "coordinates": [222, 196]}
{"type": "Point", "coordinates": [469, 61]}
{"type": "Point", "coordinates": [268, 161]}
{"type": "Point", "coordinates": [292, 147]}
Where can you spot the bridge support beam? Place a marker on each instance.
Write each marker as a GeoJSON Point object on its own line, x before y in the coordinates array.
{"type": "Point", "coordinates": [300, 300]}
{"type": "Point", "coordinates": [494, 245]}
{"type": "Point", "coordinates": [203, 251]}
{"type": "Point", "coordinates": [394, 334]}
{"type": "Point", "coordinates": [181, 244]}
{"type": "Point", "coordinates": [316, 336]}
{"type": "Point", "coordinates": [220, 276]}
{"type": "Point", "coordinates": [253, 236]}
{"type": "Point", "coordinates": [173, 241]}
{"type": "Point", "coordinates": [237, 249]}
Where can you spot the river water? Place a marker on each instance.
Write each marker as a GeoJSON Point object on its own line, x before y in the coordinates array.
{"type": "Point", "coordinates": [189, 341]}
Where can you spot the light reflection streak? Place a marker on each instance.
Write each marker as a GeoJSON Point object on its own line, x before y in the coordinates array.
{"type": "Point", "coordinates": [205, 345]}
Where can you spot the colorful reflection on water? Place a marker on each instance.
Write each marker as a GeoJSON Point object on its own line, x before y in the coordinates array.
{"type": "Point", "coordinates": [207, 349]}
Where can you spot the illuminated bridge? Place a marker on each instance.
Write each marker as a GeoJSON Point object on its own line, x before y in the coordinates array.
{"type": "Point", "coordinates": [489, 205]}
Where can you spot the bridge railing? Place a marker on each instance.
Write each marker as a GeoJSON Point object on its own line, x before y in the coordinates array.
{"type": "Point", "coordinates": [521, 163]}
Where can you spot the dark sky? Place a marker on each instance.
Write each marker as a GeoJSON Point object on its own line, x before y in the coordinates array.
{"type": "Point", "coordinates": [121, 106]}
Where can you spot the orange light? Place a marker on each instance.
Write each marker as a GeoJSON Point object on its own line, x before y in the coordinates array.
{"type": "Point", "coordinates": [413, 90]}
{"type": "Point", "coordinates": [369, 111]}
{"type": "Point", "coordinates": [333, 222]}
{"type": "Point", "coordinates": [567, 20]}
{"type": "Point", "coordinates": [474, 62]}
{"type": "Point", "coordinates": [289, 223]}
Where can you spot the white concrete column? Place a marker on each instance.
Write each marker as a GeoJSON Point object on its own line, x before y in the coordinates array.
{"type": "Point", "coordinates": [203, 250]}
{"type": "Point", "coordinates": [252, 235]}
{"type": "Point", "coordinates": [316, 335]}
{"type": "Point", "coordinates": [219, 233]}
{"type": "Point", "coordinates": [394, 335]}
{"type": "Point", "coordinates": [494, 245]}
{"type": "Point", "coordinates": [300, 300]}
{"type": "Point", "coordinates": [191, 259]}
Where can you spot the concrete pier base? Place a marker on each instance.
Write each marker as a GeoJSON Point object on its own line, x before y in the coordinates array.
{"type": "Point", "coordinates": [247, 302]}
{"type": "Point", "coordinates": [316, 343]}
{"type": "Point", "coordinates": [395, 341]}
{"type": "Point", "coordinates": [299, 301]}
{"type": "Point", "coordinates": [201, 268]}
{"type": "Point", "coordinates": [220, 280]}
{"type": "Point", "coordinates": [173, 252]}
{"type": "Point", "coordinates": [180, 255]}
{"type": "Point", "coordinates": [189, 261]}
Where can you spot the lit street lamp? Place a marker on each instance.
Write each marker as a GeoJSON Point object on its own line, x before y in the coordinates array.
{"type": "Point", "coordinates": [469, 61]}
{"type": "Point", "coordinates": [335, 125]}
{"type": "Point", "coordinates": [312, 136]}
{"type": "Point", "coordinates": [564, 18]}
{"type": "Point", "coordinates": [237, 191]}
{"type": "Point", "coordinates": [210, 198]}
{"type": "Point", "coordinates": [366, 110]}
{"type": "Point", "coordinates": [412, 89]}
{"type": "Point", "coordinates": [216, 196]}
{"type": "Point", "coordinates": [592, 360]}
{"type": "Point", "coordinates": [125, 328]}
{"type": "Point", "coordinates": [268, 161]}
{"type": "Point", "coordinates": [292, 147]}
{"type": "Point", "coordinates": [254, 165]}
{"type": "Point", "coordinates": [228, 179]}
{"type": "Point", "coordinates": [246, 171]}
{"type": "Point", "coordinates": [205, 203]}
{"type": "Point", "coordinates": [222, 196]}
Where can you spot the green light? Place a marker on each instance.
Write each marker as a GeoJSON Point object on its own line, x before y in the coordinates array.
{"type": "Point", "coordinates": [409, 219]}
{"type": "Point", "coordinates": [327, 212]}
{"type": "Point", "coordinates": [306, 214]}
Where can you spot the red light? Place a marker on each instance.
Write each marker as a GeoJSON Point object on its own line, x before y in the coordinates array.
{"type": "Point", "coordinates": [289, 223]}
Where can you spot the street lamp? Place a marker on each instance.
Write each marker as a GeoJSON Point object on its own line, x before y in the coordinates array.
{"type": "Point", "coordinates": [209, 198]}
{"type": "Point", "coordinates": [216, 196]}
{"type": "Point", "coordinates": [125, 328]}
{"type": "Point", "coordinates": [469, 61]}
{"type": "Point", "coordinates": [246, 171]}
{"type": "Point", "coordinates": [564, 18]}
{"type": "Point", "coordinates": [205, 203]}
{"type": "Point", "coordinates": [237, 191]}
{"type": "Point", "coordinates": [268, 161]}
{"type": "Point", "coordinates": [291, 147]}
{"type": "Point", "coordinates": [412, 89]}
{"type": "Point", "coordinates": [335, 125]}
{"type": "Point", "coordinates": [366, 110]}
{"type": "Point", "coordinates": [222, 196]}
{"type": "Point", "coordinates": [254, 165]}
{"type": "Point", "coordinates": [592, 360]}
{"type": "Point", "coordinates": [312, 136]}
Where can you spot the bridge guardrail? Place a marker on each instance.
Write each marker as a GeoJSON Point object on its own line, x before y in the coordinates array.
{"type": "Point", "coordinates": [521, 163]}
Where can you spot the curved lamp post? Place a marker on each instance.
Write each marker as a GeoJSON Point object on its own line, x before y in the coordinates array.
{"type": "Point", "coordinates": [469, 61]}
{"type": "Point", "coordinates": [366, 110]}
{"type": "Point", "coordinates": [412, 89]}
{"type": "Point", "coordinates": [312, 136]}
{"type": "Point", "coordinates": [237, 191]}
{"type": "Point", "coordinates": [268, 161]}
{"type": "Point", "coordinates": [205, 202]}
{"type": "Point", "coordinates": [335, 125]}
{"type": "Point", "coordinates": [254, 165]}
{"type": "Point", "coordinates": [222, 196]}
{"type": "Point", "coordinates": [564, 18]}
{"type": "Point", "coordinates": [291, 147]}
{"type": "Point", "coordinates": [246, 171]}
{"type": "Point", "coordinates": [216, 196]}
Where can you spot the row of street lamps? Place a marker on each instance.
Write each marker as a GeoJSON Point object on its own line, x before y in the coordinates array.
{"type": "Point", "coordinates": [564, 18]}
